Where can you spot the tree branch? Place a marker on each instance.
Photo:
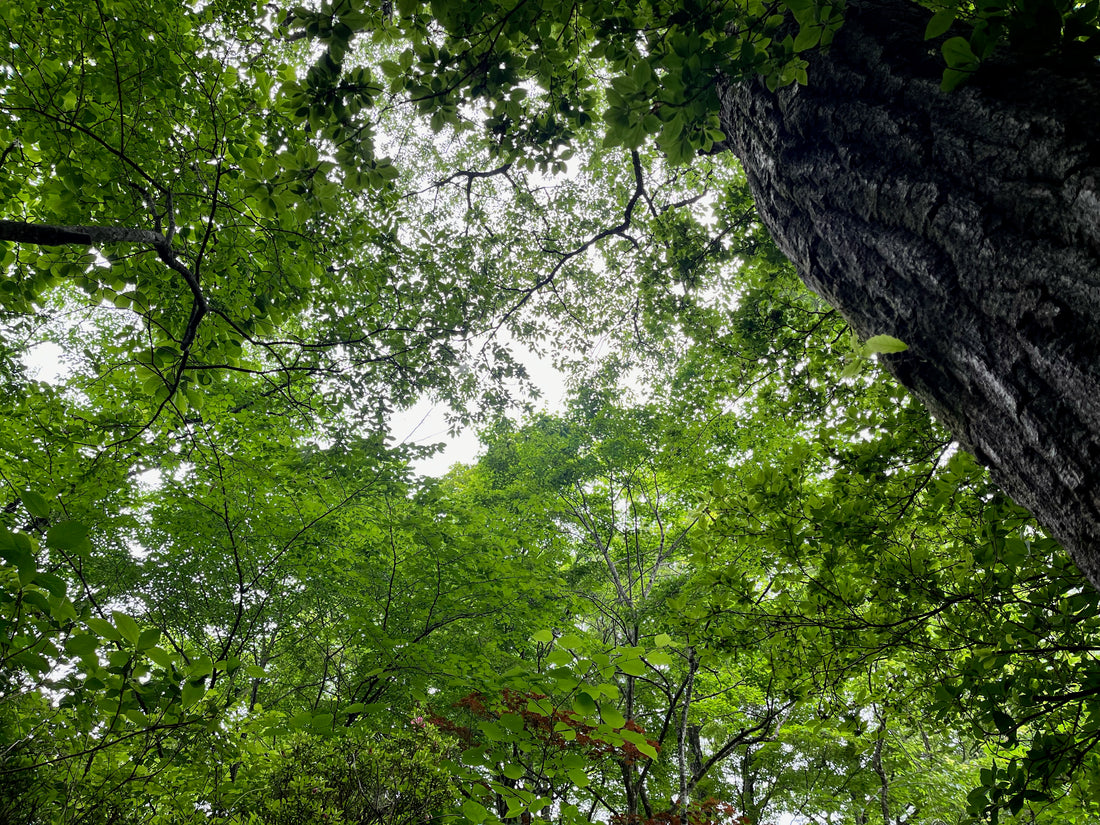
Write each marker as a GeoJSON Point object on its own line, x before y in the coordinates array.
{"type": "Point", "coordinates": [54, 235]}
{"type": "Point", "coordinates": [41, 234]}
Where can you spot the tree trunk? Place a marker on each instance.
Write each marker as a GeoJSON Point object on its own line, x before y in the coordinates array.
{"type": "Point", "coordinates": [967, 224]}
{"type": "Point", "coordinates": [879, 768]}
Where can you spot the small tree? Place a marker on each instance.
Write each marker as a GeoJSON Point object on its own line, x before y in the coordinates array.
{"type": "Point", "coordinates": [359, 778]}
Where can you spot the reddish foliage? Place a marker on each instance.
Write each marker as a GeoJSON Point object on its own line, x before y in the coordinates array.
{"type": "Point", "coordinates": [546, 727]}
{"type": "Point", "coordinates": [550, 729]}
{"type": "Point", "coordinates": [705, 812]}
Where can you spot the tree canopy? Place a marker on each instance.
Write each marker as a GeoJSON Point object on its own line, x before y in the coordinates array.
{"type": "Point", "coordinates": [739, 576]}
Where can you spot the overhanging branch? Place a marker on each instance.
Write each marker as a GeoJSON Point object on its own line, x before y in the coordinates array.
{"type": "Point", "coordinates": [40, 234]}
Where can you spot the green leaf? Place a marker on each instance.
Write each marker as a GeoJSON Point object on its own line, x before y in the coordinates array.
{"type": "Point", "coordinates": [474, 811]}
{"type": "Point", "coordinates": [958, 54]}
{"type": "Point", "coordinates": [611, 716]}
{"type": "Point", "coordinates": [492, 731]}
{"type": "Point", "coordinates": [543, 637]}
{"type": "Point", "coordinates": [939, 24]}
{"type": "Point", "coordinates": [808, 37]}
{"type": "Point", "coordinates": [127, 627]}
{"type": "Point", "coordinates": [160, 656]}
{"type": "Point", "coordinates": [584, 704]}
{"type": "Point", "coordinates": [36, 505]}
{"type": "Point", "coordinates": [952, 78]}
{"type": "Point", "coordinates": [559, 656]}
{"type": "Point", "coordinates": [15, 549]}
{"type": "Point", "coordinates": [62, 609]}
{"type": "Point", "coordinates": [35, 598]}
{"type": "Point", "coordinates": [81, 644]}
{"type": "Point", "coordinates": [193, 692]}
{"type": "Point", "coordinates": [31, 661]}
{"type": "Point", "coordinates": [51, 583]}
{"type": "Point", "coordinates": [1005, 723]}
{"type": "Point", "coordinates": [473, 756]}
{"type": "Point", "coordinates": [579, 778]}
{"type": "Point", "coordinates": [1015, 804]}
{"type": "Point", "coordinates": [660, 658]}
{"type": "Point", "coordinates": [877, 344]}
{"type": "Point", "coordinates": [103, 628]}
{"type": "Point", "coordinates": [119, 658]}
{"type": "Point", "coordinates": [301, 721]}
{"type": "Point", "coordinates": [512, 722]}
{"type": "Point", "coordinates": [851, 369]}
{"type": "Point", "coordinates": [513, 770]}
{"type": "Point", "coordinates": [67, 535]}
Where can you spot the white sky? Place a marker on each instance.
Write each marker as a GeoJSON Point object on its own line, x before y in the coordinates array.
{"type": "Point", "coordinates": [424, 423]}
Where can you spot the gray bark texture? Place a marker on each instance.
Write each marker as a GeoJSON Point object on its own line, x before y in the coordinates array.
{"type": "Point", "coordinates": [967, 224]}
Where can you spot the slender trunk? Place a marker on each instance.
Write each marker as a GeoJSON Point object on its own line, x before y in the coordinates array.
{"type": "Point", "coordinates": [748, 787]}
{"type": "Point", "coordinates": [967, 224]}
{"type": "Point", "coordinates": [880, 771]}
{"type": "Point", "coordinates": [695, 745]}
{"type": "Point", "coordinates": [629, 777]}
{"type": "Point", "coordinates": [629, 791]}
{"type": "Point", "coordinates": [684, 735]}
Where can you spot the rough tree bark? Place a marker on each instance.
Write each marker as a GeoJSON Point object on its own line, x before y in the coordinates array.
{"type": "Point", "coordinates": [967, 224]}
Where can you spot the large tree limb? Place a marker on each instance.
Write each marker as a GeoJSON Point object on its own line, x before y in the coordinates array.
{"type": "Point", "coordinates": [41, 234]}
